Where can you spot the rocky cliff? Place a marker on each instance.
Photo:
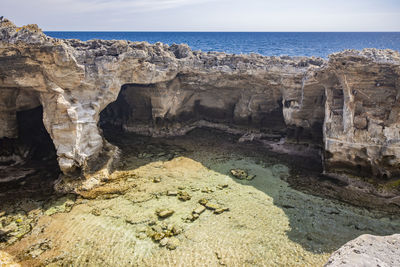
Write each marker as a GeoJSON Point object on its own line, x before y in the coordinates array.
{"type": "Point", "coordinates": [349, 106]}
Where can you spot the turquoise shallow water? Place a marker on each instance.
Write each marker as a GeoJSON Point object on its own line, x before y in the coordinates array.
{"type": "Point", "coordinates": [319, 44]}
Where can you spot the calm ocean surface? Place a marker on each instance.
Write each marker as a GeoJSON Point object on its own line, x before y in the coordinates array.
{"type": "Point", "coordinates": [266, 43]}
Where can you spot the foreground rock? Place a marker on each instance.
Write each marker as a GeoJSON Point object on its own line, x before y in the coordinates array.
{"type": "Point", "coordinates": [169, 90]}
{"type": "Point", "coordinates": [368, 250]}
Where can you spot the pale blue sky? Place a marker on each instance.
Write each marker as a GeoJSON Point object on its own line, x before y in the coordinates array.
{"type": "Point", "coordinates": [205, 15]}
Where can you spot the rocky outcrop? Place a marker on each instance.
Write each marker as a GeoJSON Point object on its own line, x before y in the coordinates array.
{"type": "Point", "coordinates": [171, 89]}
{"type": "Point", "coordinates": [368, 250]}
{"type": "Point", "coordinates": [362, 113]}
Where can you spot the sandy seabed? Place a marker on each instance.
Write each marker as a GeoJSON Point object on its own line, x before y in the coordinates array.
{"type": "Point", "coordinates": [257, 222]}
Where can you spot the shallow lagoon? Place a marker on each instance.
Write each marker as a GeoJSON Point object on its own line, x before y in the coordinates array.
{"type": "Point", "coordinates": [268, 222]}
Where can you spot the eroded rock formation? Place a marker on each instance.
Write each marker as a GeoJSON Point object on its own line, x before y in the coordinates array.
{"type": "Point", "coordinates": [362, 123]}
{"type": "Point", "coordinates": [171, 89]}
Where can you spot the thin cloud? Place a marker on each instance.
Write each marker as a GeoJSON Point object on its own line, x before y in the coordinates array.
{"type": "Point", "coordinates": [206, 15]}
{"type": "Point", "coordinates": [124, 6]}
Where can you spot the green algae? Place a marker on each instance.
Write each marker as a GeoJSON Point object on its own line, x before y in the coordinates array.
{"type": "Point", "coordinates": [62, 204]}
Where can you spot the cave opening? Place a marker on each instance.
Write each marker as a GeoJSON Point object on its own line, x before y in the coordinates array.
{"type": "Point", "coordinates": [170, 107]}
{"type": "Point", "coordinates": [167, 110]}
{"type": "Point", "coordinates": [28, 163]}
{"type": "Point", "coordinates": [33, 135]}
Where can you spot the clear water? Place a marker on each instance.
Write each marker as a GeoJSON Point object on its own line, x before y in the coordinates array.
{"type": "Point", "coordinates": [268, 223]}
{"type": "Point", "coordinates": [319, 44]}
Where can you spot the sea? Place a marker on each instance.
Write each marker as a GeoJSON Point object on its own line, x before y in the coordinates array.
{"type": "Point", "coordinates": [319, 44]}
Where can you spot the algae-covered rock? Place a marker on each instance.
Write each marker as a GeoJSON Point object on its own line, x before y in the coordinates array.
{"type": "Point", "coordinates": [239, 174]}
{"type": "Point", "coordinates": [191, 218]}
{"type": "Point", "coordinates": [207, 190]}
{"type": "Point", "coordinates": [96, 212]}
{"type": "Point", "coordinates": [40, 247]}
{"type": "Point", "coordinates": [63, 204]}
{"type": "Point", "coordinates": [158, 236]}
{"type": "Point", "coordinates": [212, 206]}
{"type": "Point", "coordinates": [203, 201]}
{"type": "Point", "coordinates": [222, 186]}
{"type": "Point", "coordinates": [161, 232]}
{"type": "Point", "coordinates": [184, 196]}
{"type": "Point", "coordinates": [176, 230]}
{"type": "Point", "coordinates": [220, 210]}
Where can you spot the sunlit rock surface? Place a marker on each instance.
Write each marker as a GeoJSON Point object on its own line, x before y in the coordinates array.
{"type": "Point", "coordinates": [351, 100]}
{"type": "Point", "coordinates": [368, 250]}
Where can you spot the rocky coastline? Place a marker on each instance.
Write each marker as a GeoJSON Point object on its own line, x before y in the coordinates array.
{"type": "Point", "coordinates": [342, 113]}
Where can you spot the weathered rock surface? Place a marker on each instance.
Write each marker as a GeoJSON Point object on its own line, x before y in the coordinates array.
{"type": "Point", "coordinates": [169, 90]}
{"type": "Point", "coordinates": [368, 250]}
{"type": "Point", "coordinates": [362, 113]}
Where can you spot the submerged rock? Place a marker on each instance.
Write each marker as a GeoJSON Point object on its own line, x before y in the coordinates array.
{"type": "Point", "coordinates": [173, 243]}
{"type": "Point", "coordinates": [40, 247]}
{"type": "Point", "coordinates": [199, 209]}
{"type": "Point", "coordinates": [238, 173]}
{"type": "Point", "coordinates": [184, 196]}
{"type": "Point", "coordinates": [207, 190]}
{"type": "Point", "coordinates": [222, 186]}
{"type": "Point", "coordinates": [156, 179]}
{"type": "Point", "coordinates": [203, 201]}
{"type": "Point", "coordinates": [212, 206]}
{"type": "Point", "coordinates": [164, 242]}
{"type": "Point", "coordinates": [220, 210]}
{"type": "Point", "coordinates": [157, 236]}
{"type": "Point", "coordinates": [241, 174]}
{"type": "Point", "coordinates": [63, 204]}
{"type": "Point", "coordinates": [141, 236]}
{"type": "Point", "coordinates": [176, 230]}
{"type": "Point", "coordinates": [164, 213]}
{"type": "Point", "coordinates": [191, 218]}
{"type": "Point", "coordinates": [172, 193]}
{"type": "Point", "coordinates": [96, 212]}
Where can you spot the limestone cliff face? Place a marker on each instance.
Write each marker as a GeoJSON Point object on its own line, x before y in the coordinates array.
{"type": "Point", "coordinates": [169, 89]}
{"type": "Point", "coordinates": [267, 94]}
{"type": "Point", "coordinates": [362, 113]}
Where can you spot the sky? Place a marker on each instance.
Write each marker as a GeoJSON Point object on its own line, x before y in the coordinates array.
{"type": "Point", "coordinates": [205, 15]}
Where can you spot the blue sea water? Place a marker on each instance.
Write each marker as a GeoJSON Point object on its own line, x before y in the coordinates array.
{"type": "Point", "coordinates": [319, 44]}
